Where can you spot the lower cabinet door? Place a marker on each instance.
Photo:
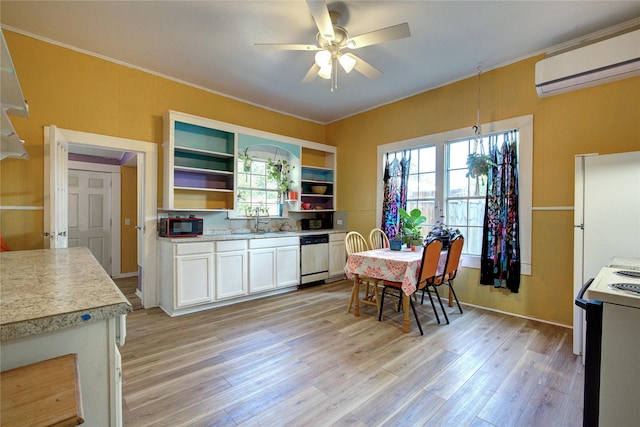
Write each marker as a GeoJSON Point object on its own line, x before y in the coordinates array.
{"type": "Point", "coordinates": [288, 266]}
{"type": "Point", "coordinates": [337, 258]}
{"type": "Point", "coordinates": [262, 270]}
{"type": "Point", "coordinates": [231, 274]}
{"type": "Point", "coordinates": [194, 279]}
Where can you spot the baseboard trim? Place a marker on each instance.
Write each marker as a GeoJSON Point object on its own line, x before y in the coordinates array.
{"type": "Point", "coordinates": [125, 275]}
{"type": "Point", "coordinates": [514, 314]}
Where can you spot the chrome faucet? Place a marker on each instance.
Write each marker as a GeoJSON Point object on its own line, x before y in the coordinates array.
{"type": "Point", "coordinates": [257, 211]}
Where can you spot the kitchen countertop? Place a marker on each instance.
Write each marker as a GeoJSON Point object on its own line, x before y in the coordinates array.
{"type": "Point", "coordinates": [51, 289]}
{"type": "Point", "coordinates": [249, 235]}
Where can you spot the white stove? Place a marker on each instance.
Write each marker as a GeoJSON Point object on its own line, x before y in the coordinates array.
{"type": "Point", "coordinates": [616, 286]}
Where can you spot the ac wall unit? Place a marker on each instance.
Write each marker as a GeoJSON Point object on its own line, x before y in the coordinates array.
{"type": "Point", "coordinates": [605, 61]}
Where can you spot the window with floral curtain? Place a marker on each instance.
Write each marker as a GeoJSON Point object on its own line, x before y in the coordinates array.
{"type": "Point", "coordinates": [500, 260]}
{"type": "Point", "coordinates": [396, 176]}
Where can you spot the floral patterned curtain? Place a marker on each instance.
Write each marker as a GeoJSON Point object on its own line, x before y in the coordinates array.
{"type": "Point", "coordinates": [396, 178]}
{"type": "Point", "coordinates": [500, 261]}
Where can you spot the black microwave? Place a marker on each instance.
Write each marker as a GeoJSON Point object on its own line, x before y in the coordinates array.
{"type": "Point", "coordinates": [180, 227]}
{"type": "Point", "coordinates": [325, 223]}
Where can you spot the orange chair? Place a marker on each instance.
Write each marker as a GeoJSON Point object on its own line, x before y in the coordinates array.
{"type": "Point", "coordinates": [355, 242]}
{"type": "Point", "coordinates": [446, 278]}
{"type": "Point", "coordinates": [428, 267]}
{"type": "Point", "coordinates": [3, 246]}
{"type": "Point", "coordinates": [378, 239]}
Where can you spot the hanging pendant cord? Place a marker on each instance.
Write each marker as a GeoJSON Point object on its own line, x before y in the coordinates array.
{"type": "Point", "coordinates": [477, 128]}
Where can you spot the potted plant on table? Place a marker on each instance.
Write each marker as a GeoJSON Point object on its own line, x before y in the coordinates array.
{"type": "Point", "coordinates": [395, 244]}
{"type": "Point", "coordinates": [412, 226]}
{"type": "Point", "coordinates": [444, 233]}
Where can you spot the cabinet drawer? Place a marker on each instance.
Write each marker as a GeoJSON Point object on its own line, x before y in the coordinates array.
{"type": "Point", "coordinates": [193, 248]}
{"type": "Point", "coordinates": [274, 242]}
{"type": "Point", "coordinates": [337, 236]}
{"type": "Point", "coordinates": [231, 245]}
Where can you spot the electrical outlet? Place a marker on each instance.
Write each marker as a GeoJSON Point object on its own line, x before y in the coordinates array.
{"type": "Point", "coordinates": [339, 221]}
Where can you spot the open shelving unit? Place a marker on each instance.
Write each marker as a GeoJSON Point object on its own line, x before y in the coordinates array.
{"type": "Point", "coordinates": [317, 169]}
{"type": "Point", "coordinates": [201, 156]}
{"type": "Point", "coordinates": [13, 103]}
{"type": "Point", "coordinates": [199, 164]}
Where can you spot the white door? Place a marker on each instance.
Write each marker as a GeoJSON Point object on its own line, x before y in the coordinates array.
{"type": "Point", "coordinates": [90, 213]}
{"type": "Point", "coordinates": [607, 208]}
{"type": "Point", "coordinates": [56, 159]}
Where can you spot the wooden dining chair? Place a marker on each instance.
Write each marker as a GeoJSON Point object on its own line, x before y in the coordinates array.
{"type": "Point", "coordinates": [378, 239]}
{"type": "Point", "coordinates": [428, 267]}
{"type": "Point", "coordinates": [355, 242]}
{"type": "Point", "coordinates": [446, 278]}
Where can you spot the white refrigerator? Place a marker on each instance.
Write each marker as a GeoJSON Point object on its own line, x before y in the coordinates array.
{"type": "Point", "coordinates": [606, 219]}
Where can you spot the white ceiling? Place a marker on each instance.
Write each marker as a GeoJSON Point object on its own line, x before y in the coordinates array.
{"type": "Point", "coordinates": [210, 44]}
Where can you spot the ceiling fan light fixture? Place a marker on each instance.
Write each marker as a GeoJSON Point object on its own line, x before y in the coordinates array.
{"type": "Point", "coordinates": [347, 62]}
{"type": "Point", "coordinates": [323, 58]}
{"type": "Point", "coordinates": [325, 72]}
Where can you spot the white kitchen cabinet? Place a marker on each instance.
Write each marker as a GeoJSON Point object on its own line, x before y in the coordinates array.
{"type": "Point", "coordinates": [262, 269]}
{"type": "Point", "coordinates": [199, 275]}
{"type": "Point", "coordinates": [288, 265]}
{"type": "Point", "coordinates": [231, 269]}
{"type": "Point", "coordinates": [273, 263]}
{"type": "Point", "coordinates": [194, 273]}
{"type": "Point", "coordinates": [187, 275]}
{"type": "Point", "coordinates": [337, 255]}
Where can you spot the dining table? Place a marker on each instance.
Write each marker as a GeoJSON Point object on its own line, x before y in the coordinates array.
{"type": "Point", "coordinates": [396, 266]}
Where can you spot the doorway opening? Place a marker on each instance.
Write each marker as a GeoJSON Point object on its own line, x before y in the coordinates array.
{"type": "Point", "coordinates": [146, 162]}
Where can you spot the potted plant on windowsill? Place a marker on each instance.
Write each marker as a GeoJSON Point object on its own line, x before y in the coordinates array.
{"type": "Point", "coordinates": [412, 226]}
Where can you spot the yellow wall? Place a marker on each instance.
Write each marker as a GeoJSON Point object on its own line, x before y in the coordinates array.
{"type": "Point", "coordinates": [76, 91]}
{"type": "Point", "coordinates": [80, 92]}
{"type": "Point", "coordinates": [604, 119]}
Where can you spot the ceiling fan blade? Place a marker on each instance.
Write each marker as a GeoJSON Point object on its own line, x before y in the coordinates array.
{"type": "Point", "coordinates": [365, 68]}
{"type": "Point", "coordinates": [311, 74]}
{"type": "Point", "coordinates": [283, 46]}
{"type": "Point", "coordinates": [320, 14]}
{"type": "Point", "coordinates": [395, 32]}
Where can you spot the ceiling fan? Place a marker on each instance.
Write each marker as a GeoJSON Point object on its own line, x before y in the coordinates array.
{"type": "Point", "coordinates": [333, 40]}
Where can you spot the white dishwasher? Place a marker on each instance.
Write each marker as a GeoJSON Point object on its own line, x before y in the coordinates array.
{"type": "Point", "coordinates": [314, 259]}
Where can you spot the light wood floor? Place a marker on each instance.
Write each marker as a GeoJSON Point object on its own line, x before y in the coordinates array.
{"type": "Point", "coordinates": [299, 359]}
{"type": "Point", "coordinates": [128, 286]}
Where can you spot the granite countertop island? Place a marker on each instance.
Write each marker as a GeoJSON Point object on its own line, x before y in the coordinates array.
{"type": "Point", "coordinates": [47, 290]}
